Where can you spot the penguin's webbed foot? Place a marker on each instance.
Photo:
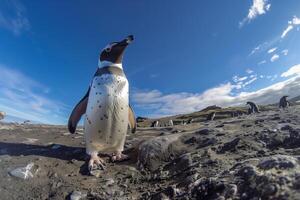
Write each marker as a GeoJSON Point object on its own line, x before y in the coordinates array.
{"type": "Point", "coordinates": [96, 163]}
{"type": "Point", "coordinates": [119, 157]}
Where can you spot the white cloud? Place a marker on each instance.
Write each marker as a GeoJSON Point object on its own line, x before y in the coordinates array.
{"type": "Point", "coordinates": [274, 58]}
{"type": "Point", "coordinates": [295, 21]}
{"type": "Point", "coordinates": [13, 18]}
{"type": "Point", "coordinates": [262, 62]}
{"type": "Point", "coordinates": [255, 50]}
{"type": "Point", "coordinates": [291, 24]}
{"type": "Point", "coordinates": [224, 95]}
{"type": "Point", "coordinates": [238, 79]}
{"type": "Point", "coordinates": [25, 98]}
{"type": "Point", "coordinates": [272, 50]}
{"type": "Point", "coordinates": [285, 52]}
{"type": "Point", "coordinates": [285, 32]}
{"type": "Point", "coordinates": [259, 7]}
{"type": "Point", "coordinates": [250, 81]}
{"type": "Point", "coordinates": [295, 70]}
{"type": "Point", "coordinates": [249, 71]}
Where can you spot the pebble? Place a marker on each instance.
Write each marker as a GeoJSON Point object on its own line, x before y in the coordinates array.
{"type": "Point", "coordinates": [23, 172]}
{"type": "Point", "coordinates": [77, 195]}
{"type": "Point", "coordinates": [109, 182]}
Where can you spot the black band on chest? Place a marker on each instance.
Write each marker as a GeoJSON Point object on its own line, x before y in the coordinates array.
{"type": "Point", "coordinates": [109, 70]}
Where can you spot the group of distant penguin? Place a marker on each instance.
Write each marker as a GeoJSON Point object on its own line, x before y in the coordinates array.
{"type": "Point", "coordinates": [253, 108]}
{"type": "Point", "coordinates": [283, 103]}
{"type": "Point", "coordinates": [157, 123]}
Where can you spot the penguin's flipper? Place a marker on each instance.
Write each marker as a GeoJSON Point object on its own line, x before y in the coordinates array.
{"type": "Point", "coordinates": [77, 112]}
{"type": "Point", "coordinates": [132, 121]}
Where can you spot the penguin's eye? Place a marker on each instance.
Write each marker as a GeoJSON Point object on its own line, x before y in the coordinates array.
{"type": "Point", "coordinates": [108, 49]}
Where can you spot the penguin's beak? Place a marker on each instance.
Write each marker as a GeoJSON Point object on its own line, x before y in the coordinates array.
{"type": "Point", "coordinates": [126, 41]}
{"type": "Point", "coordinates": [129, 39]}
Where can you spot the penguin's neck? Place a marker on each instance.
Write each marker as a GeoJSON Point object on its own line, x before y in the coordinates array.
{"type": "Point", "coordinates": [109, 64]}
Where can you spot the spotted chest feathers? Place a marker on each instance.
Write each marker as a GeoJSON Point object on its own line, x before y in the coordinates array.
{"type": "Point", "coordinates": [107, 113]}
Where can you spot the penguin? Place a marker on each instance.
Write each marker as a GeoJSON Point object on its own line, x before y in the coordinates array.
{"type": "Point", "coordinates": [170, 123]}
{"type": "Point", "coordinates": [211, 116]}
{"type": "Point", "coordinates": [253, 107]}
{"type": "Point", "coordinates": [283, 102]}
{"type": "Point", "coordinates": [106, 107]}
{"type": "Point", "coordinates": [190, 121]}
{"type": "Point", "coordinates": [155, 124]}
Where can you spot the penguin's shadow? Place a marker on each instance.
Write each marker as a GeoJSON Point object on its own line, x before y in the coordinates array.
{"type": "Point", "coordinates": [57, 151]}
{"type": "Point", "coordinates": [53, 151]}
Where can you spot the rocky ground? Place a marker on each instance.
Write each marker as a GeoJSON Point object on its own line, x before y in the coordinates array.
{"type": "Point", "coordinates": [245, 157]}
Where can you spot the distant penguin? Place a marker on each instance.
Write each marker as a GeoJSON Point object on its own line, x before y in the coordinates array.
{"type": "Point", "coordinates": [211, 116]}
{"type": "Point", "coordinates": [170, 123]}
{"type": "Point", "coordinates": [155, 124]}
{"type": "Point", "coordinates": [284, 103]}
{"type": "Point", "coordinates": [2, 115]}
{"type": "Point", "coordinates": [233, 114]}
{"type": "Point", "coordinates": [107, 109]}
{"type": "Point", "coordinates": [190, 121]}
{"type": "Point", "coordinates": [253, 107]}
{"type": "Point", "coordinates": [26, 121]}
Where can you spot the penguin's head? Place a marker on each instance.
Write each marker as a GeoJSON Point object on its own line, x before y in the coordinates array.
{"type": "Point", "coordinates": [285, 96]}
{"type": "Point", "coordinates": [114, 51]}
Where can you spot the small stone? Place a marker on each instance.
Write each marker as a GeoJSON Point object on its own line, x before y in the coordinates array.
{"type": "Point", "coordinates": [109, 182]}
{"type": "Point", "coordinates": [23, 172]}
{"type": "Point", "coordinates": [96, 173]}
{"type": "Point", "coordinates": [77, 195]}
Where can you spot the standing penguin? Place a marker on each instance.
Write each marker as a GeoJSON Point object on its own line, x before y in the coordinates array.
{"type": "Point", "coordinates": [253, 107]}
{"type": "Point", "coordinates": [107, 108]}
{"type": "Point", "coordinates": [211, 116]}
{"type": "Point", "coordinates": [284, 103]}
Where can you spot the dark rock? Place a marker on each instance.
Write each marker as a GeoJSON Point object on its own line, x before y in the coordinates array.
{"type": "Point", "coordinates": [180, 164]}
{"type": "Point", "coordinates": [204, 131]}
{"type": "Point", "coordinates": [278, 162]}
{"type": "Point", "coordinates": [229, 146]}
{"type": "Point", "coordinates": [153, 153]}
{"type": "Point", "coordinates": [207, 188]}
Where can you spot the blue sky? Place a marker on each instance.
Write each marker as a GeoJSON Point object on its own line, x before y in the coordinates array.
{"type": "Point", "coordinates": [186, 55]}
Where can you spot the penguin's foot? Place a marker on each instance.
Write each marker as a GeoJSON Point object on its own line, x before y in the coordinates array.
{"type": "Point", "coordinates": [96, 163]}
{"type": "Point", "coordinates": [118, 157]}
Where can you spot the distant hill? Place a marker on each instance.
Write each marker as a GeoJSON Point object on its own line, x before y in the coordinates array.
{"type": "Point", "coordinates": [295, 99]}
{"type": "Point", "coordinates": [10, 118]}
{"type": "Point", "coordinates": [201, 116]}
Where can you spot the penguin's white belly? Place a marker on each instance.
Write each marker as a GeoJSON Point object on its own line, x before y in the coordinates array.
{"type": "Point", "coordinates": [106, 120]}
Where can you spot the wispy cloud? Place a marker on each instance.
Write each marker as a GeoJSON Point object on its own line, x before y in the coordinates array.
{"type": "Point", "coordinates": [259, 7]}
{"type": "Point", "coordinates": [25, 98]}
{"type": "Point", "coordinates": [291, 24]}
{"type": "Point", "coordinates": [262, 62]}
{"type": "Point", "coordinates": [239, 79]}
{"type": "Point", "coordinates": [272, 50]}
{"type": "Point", "coordinates": [285, 52]}
{"type": "Point", "coordinates": [14, 18]}
{"type": "Point", "coordinates": [295, 70]}
{"type": "Point", "coordinates": [249, 71]}
{"type": "Point", "coordinates": [227, 94]}
{"type": "Point", "coordinates": [274, 58]}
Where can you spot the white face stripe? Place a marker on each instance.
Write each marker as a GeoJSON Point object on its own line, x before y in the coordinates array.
{"type": "Point", "coordinates": [105, 63]}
